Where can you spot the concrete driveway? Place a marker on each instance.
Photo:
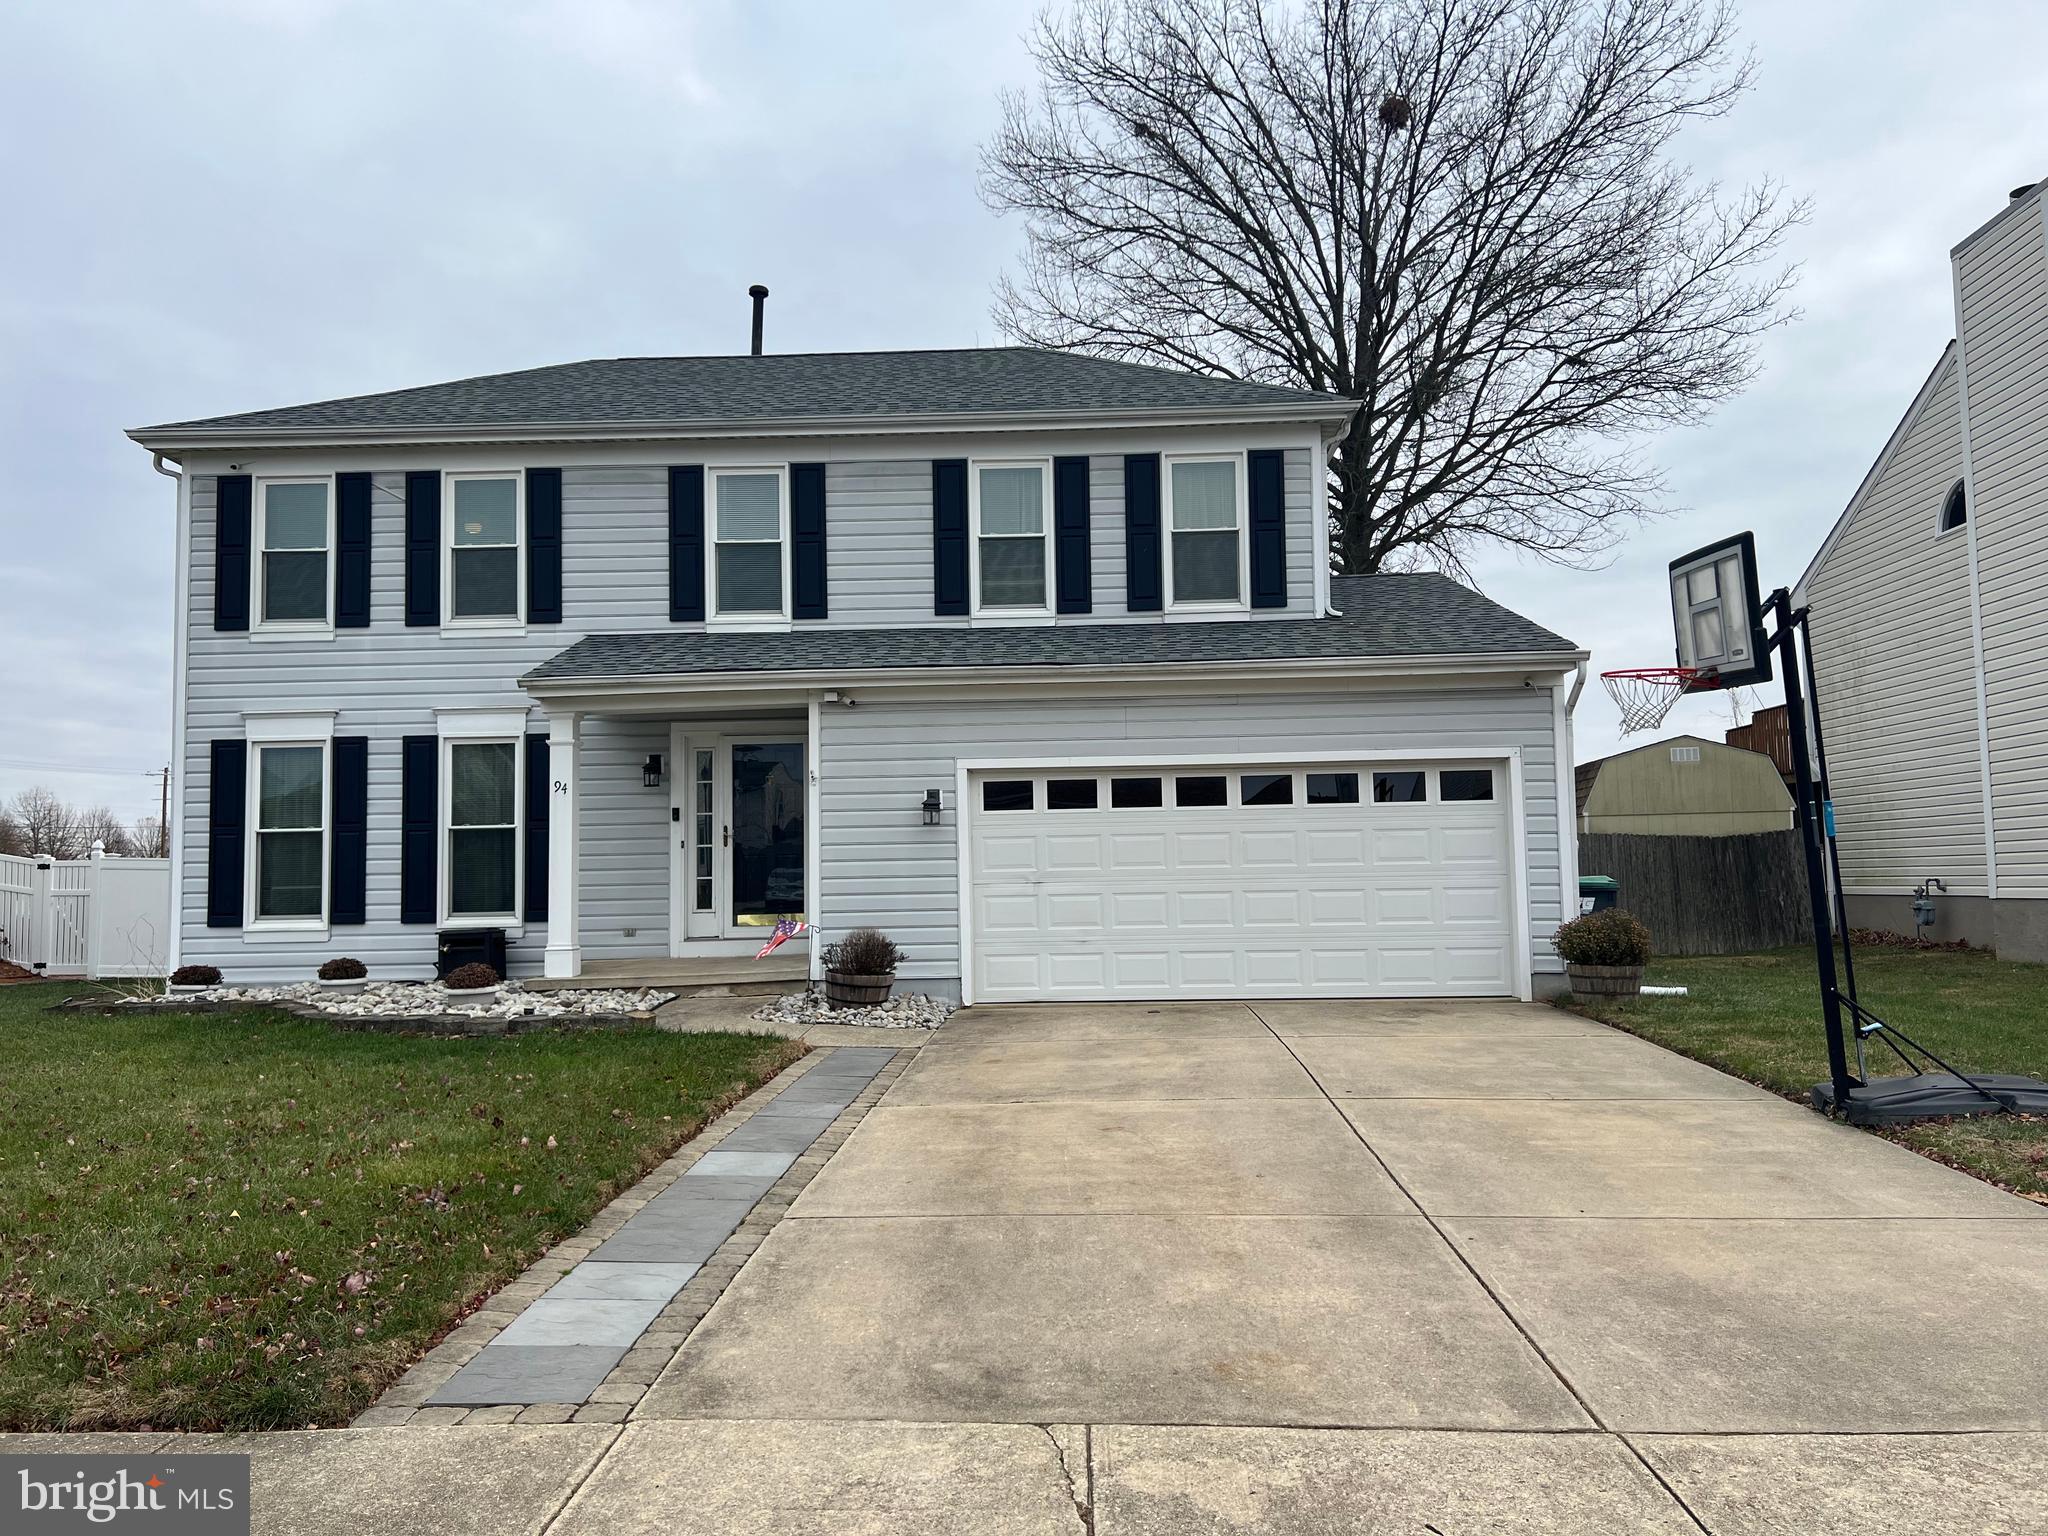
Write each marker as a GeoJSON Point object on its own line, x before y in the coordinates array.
{"type": "Point", "coordinates": [1269, 1260]}
{"type": "Point", "coordinates": [1167, 1271]}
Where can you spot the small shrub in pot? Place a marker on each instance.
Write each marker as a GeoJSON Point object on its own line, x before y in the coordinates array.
{"type": "Point", "coordinates": [474, 977]}
{"type": "Point", "coordinates": [860, 969]}
{"type": "Point", "coordinates": [195, 978]}
{"type": "Point", "coordinates": [344, 968]}
{"type": "Point", "coordinates": [1604, 953]}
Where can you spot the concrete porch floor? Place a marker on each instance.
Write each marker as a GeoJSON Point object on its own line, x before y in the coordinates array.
{"type": "Point", "coordinates": [734, 975]}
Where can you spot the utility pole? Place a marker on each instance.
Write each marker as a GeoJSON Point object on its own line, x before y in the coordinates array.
{"type": "Point", "coordinates": [163, 817]}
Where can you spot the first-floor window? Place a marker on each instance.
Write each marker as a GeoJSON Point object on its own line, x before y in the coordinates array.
{"type": "Point", "coordinates": [291, 831]}
{"type": "Point", "coordinates": [483, 828]}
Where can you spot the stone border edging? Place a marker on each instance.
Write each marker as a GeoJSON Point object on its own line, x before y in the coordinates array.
{"type": "Point", "coordinates": [405, 1401]}
{"type": "Point", "coordinates": [378, 1023]}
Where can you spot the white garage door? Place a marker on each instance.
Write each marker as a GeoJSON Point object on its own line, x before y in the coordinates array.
{"type": "Point", "coordinates": [1305, 880]}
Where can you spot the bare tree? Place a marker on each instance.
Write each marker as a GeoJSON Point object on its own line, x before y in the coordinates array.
{"type": "Point", "coordinates": [147, 839]}
{"type": "Point", "coordinates": [46, 825]}
{"type": "Point", "coordinates": [100, 825]}
{"type": "Point", "coordinates": [1461, 213]}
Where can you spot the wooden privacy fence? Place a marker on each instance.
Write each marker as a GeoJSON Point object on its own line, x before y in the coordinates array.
{"type": "Point", "coordinates": [1707, 895]}
{"type": "Point", "coordinates": [85, 917]}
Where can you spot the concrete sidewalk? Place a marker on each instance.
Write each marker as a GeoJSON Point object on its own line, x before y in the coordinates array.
{"type": "Point", "coordinates": [1147, 1271]}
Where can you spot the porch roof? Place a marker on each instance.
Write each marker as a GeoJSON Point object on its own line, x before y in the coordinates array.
{"type": "Point", "coordinates": [1420, 615]}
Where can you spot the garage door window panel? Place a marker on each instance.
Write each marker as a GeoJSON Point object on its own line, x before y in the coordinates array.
{"type": "Point", "coordinates": [1400, 787]}
{"type": "Point", "coordinates": [1137, 794]}
{"type": "Point", "coordinates": [1465, 784]}
{"type": "Point", "coordinates": [1008, 795]}
{"type": "Point", "coordinates": [1266, 789]}
{"type": "Point", "coordinates": [1201, 791]}
{"type": "Point", "coordinates": [1332, 788]}
{"type": "Point", "coordinates": [1071, 794]}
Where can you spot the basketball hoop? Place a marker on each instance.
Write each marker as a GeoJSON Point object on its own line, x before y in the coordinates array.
{"type": "Point", "coordinates": [1645, 695]}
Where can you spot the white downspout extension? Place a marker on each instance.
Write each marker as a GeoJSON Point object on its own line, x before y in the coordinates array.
{"type": "Point", "coordinates": [1567, 791]}
{"type": "Point", "coordinates": [174, 828]}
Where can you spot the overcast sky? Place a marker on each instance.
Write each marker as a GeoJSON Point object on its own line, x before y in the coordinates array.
{"type": "Point", "coordinates": [230, 204]}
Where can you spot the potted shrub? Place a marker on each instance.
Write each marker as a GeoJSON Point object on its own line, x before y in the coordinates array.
{"type": "Point", "coordinates": [191, 980]}
{"type": "Point", "coordinates": [473, 980]}
{"type": "Point", "coordinates": [860, 969]}
{"type": "Point", "coordinates": [1604, 953]}
{"type": "Point", "coordinates": [344, 976]}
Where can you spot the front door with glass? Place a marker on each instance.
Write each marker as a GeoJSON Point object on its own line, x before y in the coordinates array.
{"type": "Point", "coordinates": [740, 835]}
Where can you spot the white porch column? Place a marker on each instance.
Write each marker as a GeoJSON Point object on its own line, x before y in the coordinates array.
{"type": "Point", "coordinates": [565, 948]}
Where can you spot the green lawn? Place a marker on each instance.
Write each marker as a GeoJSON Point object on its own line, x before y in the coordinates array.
{"type": "Point", "coordinates": [1758, 1016]}
{"type": "Point", "coordinates": [255, 1221]}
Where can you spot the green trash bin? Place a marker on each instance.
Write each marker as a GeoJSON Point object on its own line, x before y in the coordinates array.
{"type": "Point", "coordinates": [1597, 893]}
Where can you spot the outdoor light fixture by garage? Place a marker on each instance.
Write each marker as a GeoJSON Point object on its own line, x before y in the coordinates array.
{"type": "Point", "coordinates": [930, 807]}
{"type": "Point", "coordinates": [650, 771]}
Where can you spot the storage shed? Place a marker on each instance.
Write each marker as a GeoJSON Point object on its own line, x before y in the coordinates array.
{"type": "Point", "coordinates": [1684, 786]}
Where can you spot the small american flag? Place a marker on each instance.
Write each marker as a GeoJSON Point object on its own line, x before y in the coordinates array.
{"type": "Point", "coordinates": [786, 929]}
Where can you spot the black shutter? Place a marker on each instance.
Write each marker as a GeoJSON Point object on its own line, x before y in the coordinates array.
{"type": "Point", "coordinates": [1070, 533]}
{"type": "Point", "coordinates": [1266, 470]}
{"type": "Point", "coordinates": [949, 536]}
{"type": "Point", "coordinates": [231, 554]}
{"type": "Point", "coordinates": [227, 809]}
{"type": "Point", "coordinates": [807, 540]}
{"type": "Point", "coordinates": [419, 808]}
{"type": "Point", "coordinates": [1142, 590]}
{"type": "Point", "coordinates": [543, 546]}
{"type": "Point", "coordinates": [348, 860]}
{"type": "Point", "coordinates": [422, 548]}
{"type": "Point", "coordinates": [537, 787]}
{"type": "Point", "coordinates": [352, 551]}
{"type": "Point", "coordinates": [686, 543]}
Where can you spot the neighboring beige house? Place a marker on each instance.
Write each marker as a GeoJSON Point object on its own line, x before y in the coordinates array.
{"type": "Point", "coordinates": [1929, 628]}
{"type": "Point", "coordinates": [1684, 786]}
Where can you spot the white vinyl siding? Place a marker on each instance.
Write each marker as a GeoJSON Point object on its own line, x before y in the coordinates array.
{"type": "Point", "coordinates": [1894, 664]}
{"type": "Point", "coordinates": [2002, 279]}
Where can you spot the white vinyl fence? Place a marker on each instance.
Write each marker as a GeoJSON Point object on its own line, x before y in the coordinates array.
{"type": "Point", "coordinates": [86, 917]}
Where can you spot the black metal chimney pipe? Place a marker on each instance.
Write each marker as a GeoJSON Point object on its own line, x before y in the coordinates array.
{"type": "Point", "coordinates": [759, 294]}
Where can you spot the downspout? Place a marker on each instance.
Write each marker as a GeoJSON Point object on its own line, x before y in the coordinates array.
{"type": "Point", "coordinates": [1578, 687]}
{"type": "Point", "coordinates": [156, 462]}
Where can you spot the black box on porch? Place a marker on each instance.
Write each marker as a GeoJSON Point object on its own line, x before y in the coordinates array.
{"type": "Point", "coordinates": [469, 946]}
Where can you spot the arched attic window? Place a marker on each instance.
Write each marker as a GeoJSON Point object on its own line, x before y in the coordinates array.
{"type": "Point", "coordinates": [1956, 510]}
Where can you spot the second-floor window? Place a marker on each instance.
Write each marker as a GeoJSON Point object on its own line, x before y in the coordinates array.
{"type": "Point", "coordinates": [749, 526]}
{"type": "Point", "coordinates": [1012, 553]}
{"type": "Point", "coordinates": [295, 532]}
{"type": "Point", "coordinates": [1205, 522]}
{"type": "Point", "coordinates": [484, 557]}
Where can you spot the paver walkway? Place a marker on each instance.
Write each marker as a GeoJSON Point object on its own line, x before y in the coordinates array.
{"type": "Point", "coordinates": [1162, 1271]}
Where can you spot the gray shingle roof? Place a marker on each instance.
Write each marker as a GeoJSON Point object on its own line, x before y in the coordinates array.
{"type": "Point", "coordinates": [777, 387]}
{"type": "Point", "coordinates": [1418, 615]}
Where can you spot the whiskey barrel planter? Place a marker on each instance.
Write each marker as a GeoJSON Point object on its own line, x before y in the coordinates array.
{"type": "Point", "coordinates": [843, 989]}
{"type": "Point", "coordinates": [1605, 980]}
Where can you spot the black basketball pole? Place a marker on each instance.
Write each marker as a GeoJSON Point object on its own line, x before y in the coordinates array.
{"type": "Point", "coordinates": [1812, 836]}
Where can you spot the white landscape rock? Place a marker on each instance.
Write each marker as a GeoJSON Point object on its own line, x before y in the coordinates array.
{"type": "Point", "coordinates": [412, 999]}
{"type": "Point", "coordinates": [905, 1010]}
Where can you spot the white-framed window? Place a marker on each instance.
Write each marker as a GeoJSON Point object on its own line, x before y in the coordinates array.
{"type": "Point", "coordinates": [289, 846]}
{"type": "Point", "coordinates": [749, 565]}
{"type": "Point", "coordinates": [484, 551]}
{"type": "Point", "coordinates": [294, 553]}
{"type": "Point", "coordinates": [481, 857]}
{"type": "Point", "coordinates": [1955, 509]}
{"type": "Point", "coordinates": [1205, 530]}
{"type": "Point", "coordinates": [1010, 519]}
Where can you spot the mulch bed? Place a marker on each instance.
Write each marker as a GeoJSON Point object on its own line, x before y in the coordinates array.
{"type": "Point", "coordinates": [10, 972]}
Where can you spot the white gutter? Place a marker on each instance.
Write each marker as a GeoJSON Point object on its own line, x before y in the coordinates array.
{"type": "Point", "coordinates": [1238, 668]}
{"type": "Point", "coordinates": [173, 437]}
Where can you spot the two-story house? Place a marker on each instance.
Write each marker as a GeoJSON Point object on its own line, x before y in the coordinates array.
{"type": "Point", "coordinates": [1032, 660]}
{"type": "Point", "coordinates": [1930, 634]}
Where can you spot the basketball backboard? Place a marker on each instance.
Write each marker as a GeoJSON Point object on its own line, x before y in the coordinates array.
{"type": "Point", "coordinates": [1717, 614]}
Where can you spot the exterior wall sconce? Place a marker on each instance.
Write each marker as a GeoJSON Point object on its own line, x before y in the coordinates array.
{"type": "Point", "coordinates": [650, 771]}
{"type": "Point", "coordinates": [930, 806]}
